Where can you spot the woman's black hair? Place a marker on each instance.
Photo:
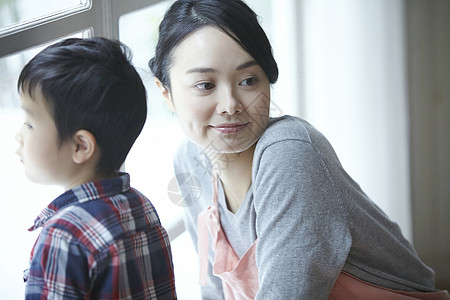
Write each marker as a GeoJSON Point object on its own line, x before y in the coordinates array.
{"type": "Point", "coordinates": [234, 17]}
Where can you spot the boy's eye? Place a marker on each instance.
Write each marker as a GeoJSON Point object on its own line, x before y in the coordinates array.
{"type": "Point", "coordinates": [206, 86]}
{"type": "Point", "coordinates": [248, 81]}
{"type": "Point", "coordinates": [28, 125]}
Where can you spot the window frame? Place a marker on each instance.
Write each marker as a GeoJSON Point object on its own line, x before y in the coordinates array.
{"type": "Point", "coordinates": [100, 17]}
{"type": "Point", "coordinates": [96, 17]}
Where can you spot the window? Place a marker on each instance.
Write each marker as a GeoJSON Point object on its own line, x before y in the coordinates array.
{"type": "Point", "coordinates": [23, 33]}
{"type": "Point", "coordinates": [27, 27]}
{"type": "Point", "coordinates": [22, 200]}
{"type": "Point", "coordinates": [23, 13]}
{"type": "Point", "coordinates": [155, 146]}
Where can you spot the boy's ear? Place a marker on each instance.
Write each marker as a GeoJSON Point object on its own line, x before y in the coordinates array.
{"type": "Point", "coordinates": [166, 94]}
{"type": "Point", "coordinates": [85, 146]}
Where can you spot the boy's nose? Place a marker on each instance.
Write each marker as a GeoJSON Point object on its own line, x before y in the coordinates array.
{"type": "Point", "coordinates": [18, 136]}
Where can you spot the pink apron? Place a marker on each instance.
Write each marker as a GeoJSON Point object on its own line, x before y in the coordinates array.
{"type": "Point", "coordinates": [240, 276]}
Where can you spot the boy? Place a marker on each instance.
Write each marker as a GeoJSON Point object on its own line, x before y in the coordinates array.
{"type": "Point", "coordinates": [85, 105]}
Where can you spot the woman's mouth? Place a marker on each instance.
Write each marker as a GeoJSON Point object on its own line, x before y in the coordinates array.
{"type": "Point", "coordinates": [228, 128]}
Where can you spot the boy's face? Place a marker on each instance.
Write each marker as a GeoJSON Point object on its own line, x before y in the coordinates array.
{"type": "Point", "coordinates": [46, 161]}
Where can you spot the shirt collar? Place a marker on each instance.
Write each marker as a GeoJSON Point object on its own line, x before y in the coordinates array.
{"type": "Point", "coordinates": [83, 193]}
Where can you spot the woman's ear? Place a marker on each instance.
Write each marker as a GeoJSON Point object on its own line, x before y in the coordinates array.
{"type": "Point", "coordinates": [85, 146]}
{"type": "Point", "coordinates": [166, 94]}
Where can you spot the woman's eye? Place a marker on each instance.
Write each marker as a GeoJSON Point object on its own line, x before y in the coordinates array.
{"type": "Point", "coordinates": [206, 86]}
{"type": "Point", "coordinates": [248, 81]}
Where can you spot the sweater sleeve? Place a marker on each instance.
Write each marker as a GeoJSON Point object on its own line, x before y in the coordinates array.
{"type": "Point", "coordinates": [303, 236]}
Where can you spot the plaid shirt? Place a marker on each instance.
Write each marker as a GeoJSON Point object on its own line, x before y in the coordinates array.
{"type": "Point", "coordinates": [100, 240]}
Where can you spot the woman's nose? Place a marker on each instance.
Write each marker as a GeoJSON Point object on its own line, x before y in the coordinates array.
{"type": "Point", "coordinates": [229, 103]}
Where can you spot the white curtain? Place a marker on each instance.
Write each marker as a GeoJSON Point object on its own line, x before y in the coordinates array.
{"type": "Point", "coordinates": [342, 67]}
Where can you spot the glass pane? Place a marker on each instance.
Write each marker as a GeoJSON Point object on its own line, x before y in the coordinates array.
{"type": "Point", "coordinates": [22, 200]}
{"type": "Point", "coordinates": [150, 160]}
{"type": "Point", "coordinates": [18, 11]}
{"type": "Point", "coordinates": [10, 67]}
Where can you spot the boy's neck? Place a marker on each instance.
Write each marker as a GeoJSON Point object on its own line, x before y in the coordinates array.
{"type": "Point", "coordinates": [83, 179]}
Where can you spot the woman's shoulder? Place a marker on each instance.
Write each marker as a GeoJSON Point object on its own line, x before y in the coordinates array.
{"type": "Point", "coordinates": [288, 128]}
{"type": "Point", "coordinates": [290, 136]}
{"type": "Point", "coordinates": [187, 151]}
{"type": "Point", "coordinates": [192, 159]}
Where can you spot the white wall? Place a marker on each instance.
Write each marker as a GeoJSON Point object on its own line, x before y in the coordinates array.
{"type": "Point", "coordinates": [429, 91]}
{"type": "Point", "coordinates": [355, 93]}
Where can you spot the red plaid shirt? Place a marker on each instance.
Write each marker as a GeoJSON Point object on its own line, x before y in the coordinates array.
{"type": "Point", "coordinates": [100, 240]}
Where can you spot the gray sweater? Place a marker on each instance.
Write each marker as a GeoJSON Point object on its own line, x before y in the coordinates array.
{"type": "Point", "coordinates": [311, 219]}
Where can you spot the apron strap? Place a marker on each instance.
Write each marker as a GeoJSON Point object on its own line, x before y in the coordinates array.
{"type": "Point", "coordinates": [214, 187]}
{"type": "Point", "coordinates": [202, 245]}
{"type": "Point", "coordinates": [207, 220]}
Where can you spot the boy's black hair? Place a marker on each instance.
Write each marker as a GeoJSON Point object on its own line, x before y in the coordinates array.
{"type": "Point", "coordinates": [234, 17]}
{"type": "Point", "coordinates": [90, 84]}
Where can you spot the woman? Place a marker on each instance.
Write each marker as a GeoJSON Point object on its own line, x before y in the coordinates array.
{"type": "Point", "coordinates": [284, 219]}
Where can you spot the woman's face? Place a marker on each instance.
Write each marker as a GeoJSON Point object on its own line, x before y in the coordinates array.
{"type": "Point", "coordinates": [219, 93]}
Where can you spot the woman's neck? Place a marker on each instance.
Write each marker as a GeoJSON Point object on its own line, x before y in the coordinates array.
{"type": "Point", "coordinates": [235, 172]}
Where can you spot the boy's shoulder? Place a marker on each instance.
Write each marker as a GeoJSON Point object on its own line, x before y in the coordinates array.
{"type": "Point", "coordinates": [101, 219]}
{"type": "Point", "coordinates": [92, 224]}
